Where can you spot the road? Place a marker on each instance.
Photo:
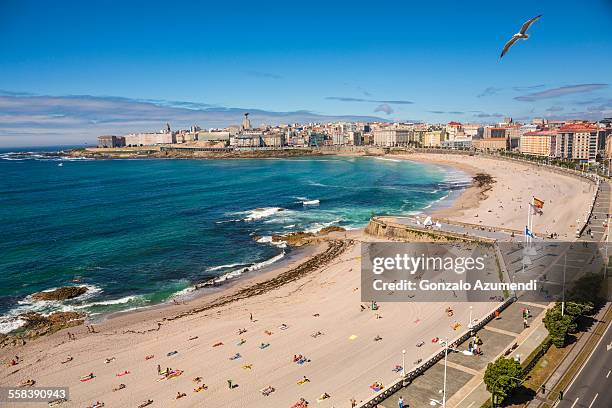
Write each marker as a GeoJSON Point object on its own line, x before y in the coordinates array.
{"type": "Point", "coordinates": [592, 387]}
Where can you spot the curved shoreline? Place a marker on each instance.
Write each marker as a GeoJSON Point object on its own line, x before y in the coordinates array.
{"type": "Point", "coordinates": [206, 331]}
{"type": "Point", "coordinates": [189, 293]}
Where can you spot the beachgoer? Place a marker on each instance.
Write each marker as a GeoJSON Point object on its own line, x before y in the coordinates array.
{"type": "Point", "coordinates": [229, 384]}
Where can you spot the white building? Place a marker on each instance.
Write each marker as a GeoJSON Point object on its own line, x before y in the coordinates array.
{"type": "Point", "coordinates": [388, 137]}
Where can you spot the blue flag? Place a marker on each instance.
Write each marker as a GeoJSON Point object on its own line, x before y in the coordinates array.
{"type": "Point", "coordinates": [529, 233]}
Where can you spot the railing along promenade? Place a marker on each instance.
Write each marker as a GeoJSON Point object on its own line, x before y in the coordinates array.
{"type": "Point", "coordinates": [410, 375]}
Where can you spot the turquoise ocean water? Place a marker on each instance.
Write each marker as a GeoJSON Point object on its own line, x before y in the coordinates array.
{"type": "Point", "coordinates": [137, 232]}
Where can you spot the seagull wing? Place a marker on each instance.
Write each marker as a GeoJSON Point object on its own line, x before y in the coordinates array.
{"type": "Point", "coordinates": [509, 44]}
{"type": "Point", "coordinates": [527, 24]}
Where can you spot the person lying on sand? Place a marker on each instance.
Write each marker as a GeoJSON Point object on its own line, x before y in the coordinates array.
{"type": "Point", "coordinates": [303, 381]}
{"type": "Point", "coordinates": [268, 332]}
{"type": "Point", "coordinates": [120, 387]}
{"type": "Point", "coordinates": [200, 388]}
{"type": "Point", "coordinates": [283, 327]}
{"type": "Point", "coordinates": [150, 356]}
{"type": "Point", "coordinates": [235, 356]}
{"type": "Point", "coordinates": [197, 380]}
{"type": "Point", "coordinates": [126, 372]}
{"type": "Point", "coordinates": [302, 403]}
{"type": "Point", "coordinates": [180, 395]}
{"type": "Point", "coordinates": [87, 377]}
{"type": "Point", "coordinates": [241, 331]}
{"type": "Point", "coordinates": [109, 360]}
{"type": "Point", "coordinates": [316, 334]}
{"type": "Point", "coordinates": [193, 338]}
{"type": "Point", "coordinates": [57, 402]}
{"type": "Point", "coordinates": [67, 360]}
{"type": "Point", "coordinates": [241, 342]}
{"type": "Point", "coordinates": [27, 383]}
{"type": "Point", "coordinates": [377, 338]}
{"type": "Point", "coordinates": [96, 404]}
{"type": "Point", "coordinates": [145, 403]}
{"type": "Point", "coordinates": [268, 390]}
{"type": "Point", "coordinates": [247, 367]}
{"type": "Point", "coordinates": [264, 345]}
{"type": "Point", "coordinates": [323, 397]}
{"type": "Point", "coordinates": [377, 386]}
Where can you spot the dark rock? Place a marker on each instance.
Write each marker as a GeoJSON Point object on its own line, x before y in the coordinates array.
{"type": "Point", "coordinates": [67, 292]}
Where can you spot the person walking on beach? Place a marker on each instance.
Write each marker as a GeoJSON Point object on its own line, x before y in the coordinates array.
{"type": "Point", "coordinates": [229, 384]}
{"type": "Point", "coordinates": [400, 403]}
{"type": "Point", "coordinates": [525, 323]}
{"type": "Point", "coordinates": [251, 316]}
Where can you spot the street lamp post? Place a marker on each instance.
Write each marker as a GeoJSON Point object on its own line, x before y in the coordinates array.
{"type": "Point", "coordinates": [563, 295]}
{"type": "Point", "coordinates": [607, 242]}
{"type": "Point", "coordinates": [432, 401]}
{"type": "Point", "coordinates": [403, 363]}
{"type": "Point", "coordinates": [470, 323]}
{"type": "Point", "coordinates": [444, 389]}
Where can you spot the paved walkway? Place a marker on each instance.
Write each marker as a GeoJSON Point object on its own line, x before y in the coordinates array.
{"type": "Point", "coordinates": [470, 230]}
{"type": "Point", "coordinates": [465, 385]}
{"type": "Point", "coordinates": [465, 372]}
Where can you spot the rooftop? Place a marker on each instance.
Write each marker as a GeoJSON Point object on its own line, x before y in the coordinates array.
{"type": "Point", "coordinates": [578, 127]}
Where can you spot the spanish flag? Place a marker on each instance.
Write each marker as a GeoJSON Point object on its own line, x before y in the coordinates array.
{"type": "Point", "coordinates": [537, 203]}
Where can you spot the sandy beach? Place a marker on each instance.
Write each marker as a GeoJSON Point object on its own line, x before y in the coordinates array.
{"type": "Point", "coordinates": [566, 198]}
{"type": "Point", "coordinates": [310, 311]}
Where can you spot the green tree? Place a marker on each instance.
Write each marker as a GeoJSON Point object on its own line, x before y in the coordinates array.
{"type": "Point", "coordinates": [559, 326]}
{"type": "Point", "coordinates": [501, 377]}
{"type": "Point", "coordinates": [586, 291]}
{"type": "Point", "coordinates": [576, 310]}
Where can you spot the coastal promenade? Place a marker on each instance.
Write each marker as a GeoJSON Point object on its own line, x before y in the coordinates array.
{"type": "Point", "coordinates": [505, 336]}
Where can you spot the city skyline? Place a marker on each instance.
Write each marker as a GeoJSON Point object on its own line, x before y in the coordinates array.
{"type": "Point", "coordinates": [88, 70]}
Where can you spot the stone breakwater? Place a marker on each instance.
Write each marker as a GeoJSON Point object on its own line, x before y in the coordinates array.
{"type": "Point", "coordinates": [334, 249]}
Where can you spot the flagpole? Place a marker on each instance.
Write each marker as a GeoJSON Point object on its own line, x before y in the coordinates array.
{"type": "Point", "coordinates": [532, 212]}
{"type": "Point", "coordinates": [527, 228]}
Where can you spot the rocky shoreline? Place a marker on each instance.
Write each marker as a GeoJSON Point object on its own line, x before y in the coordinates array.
{"type": "Point", "coordinates": [38, 325]}
{"type": "Point", "coordinates": [157, 152]}
{"type": "Point", "coordinates": [334, 249]}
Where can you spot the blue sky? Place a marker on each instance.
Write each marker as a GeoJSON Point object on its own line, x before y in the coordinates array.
{"type": "Point", "coordinates": [71, 70]}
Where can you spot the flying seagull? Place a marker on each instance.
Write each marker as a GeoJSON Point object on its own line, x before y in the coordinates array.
{"type": "Point", "coordinates": [521, 34]}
